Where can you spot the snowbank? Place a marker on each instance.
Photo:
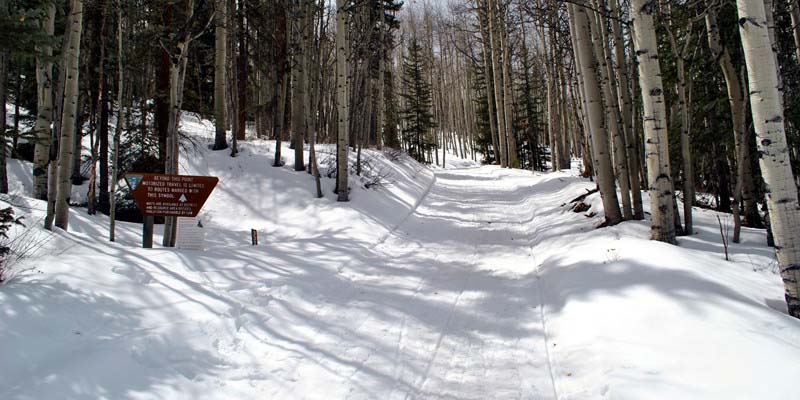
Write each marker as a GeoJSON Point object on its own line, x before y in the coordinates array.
{"type": "Point", "coordinates": [458, 283]}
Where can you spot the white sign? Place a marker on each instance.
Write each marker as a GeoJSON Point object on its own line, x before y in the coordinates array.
{"type": "Point", "coordinates": [191, 234]}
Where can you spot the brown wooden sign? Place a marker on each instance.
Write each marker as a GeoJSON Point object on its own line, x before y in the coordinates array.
{"type": "Point", "coordinates": [170, 195]}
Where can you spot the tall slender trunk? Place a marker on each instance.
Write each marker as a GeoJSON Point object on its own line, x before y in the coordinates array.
{"type": "Point", "coordinates": [241, 74]}
{"type": "Point", "coordinates": [342, 99]}
{"type": "Point", "coordinates": [655, 123]}
{"type": "Point", "coordinates": [299, 76]}
{"type": "Point", "coordinates": [44, 117]}
{"type": "Point", "coordinates": [766, 106]}
{"type": "Point", "coordinates": [121, 110]}
{"type": "Point", "coordinates": [281, 79]}
{"type": "Point", "coordinates": [220, 78]}
{"type": "Point", "coordinates": [70, 111]}
{"type": "Point", "coordinates": [746, 197]}
{"type": "Point", "coordinates": [594, 105]}
{"type": "Point", "coordinates": [494, 51]}
{"type": "Point", "coordinates": [3, 88]}
{"type": "Point", "coordinates": [626, 106]}
{"type": "Point", "coordinates": [794, 9]}
{"type": "Point", "coordinates": [508, 108]}
{"type": "Point", "coordinates": [686, 128]}
{"type": "Point", "coordinates": [381, 61]}
{"type": "Point", "coordinates": [489, 80]}
{"type": "Point", "coordinates": [613, 119]}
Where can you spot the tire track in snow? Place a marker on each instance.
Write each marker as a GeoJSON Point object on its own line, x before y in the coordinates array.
{"type": "Point", "coordinates": [419, 387]}
{"type": "Point", "coordinates": [350, 291]}
{"type": "Point", "coordinates": [542, 316]}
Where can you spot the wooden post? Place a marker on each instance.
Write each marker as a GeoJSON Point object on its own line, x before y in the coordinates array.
{"type": "Point", "coordinates": [254, 237]}
{"type": "Point", "coordinates": [147, 232]}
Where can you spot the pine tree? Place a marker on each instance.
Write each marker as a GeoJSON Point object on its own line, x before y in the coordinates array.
{"type": "Point", "coordinates": [417, 96]}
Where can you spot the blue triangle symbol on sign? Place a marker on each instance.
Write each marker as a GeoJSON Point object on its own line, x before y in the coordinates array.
{"type": "Point", "coordinates": [133, 180]}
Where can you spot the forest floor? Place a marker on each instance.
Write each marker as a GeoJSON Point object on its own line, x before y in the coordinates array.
{"type": "Point", "coordinates": [462, 283]}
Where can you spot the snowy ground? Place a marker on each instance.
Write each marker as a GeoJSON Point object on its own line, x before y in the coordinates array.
{"type": "Point", "coordinates": [461, 283]}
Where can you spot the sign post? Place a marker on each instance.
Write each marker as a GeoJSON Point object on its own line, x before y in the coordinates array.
{"type": "Point", "coordinates": [168, 196]}
{"type": "Point", "coordinates": [147, 231]}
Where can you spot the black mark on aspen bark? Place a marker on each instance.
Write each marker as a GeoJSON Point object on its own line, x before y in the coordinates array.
{"type": "Point", "coordinates": [745, 20]}
{"type": "Point", "coordinates": [649, 7]}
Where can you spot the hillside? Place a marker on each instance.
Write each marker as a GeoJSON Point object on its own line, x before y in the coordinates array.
{"type": "Point", "coordinates": [468, 282]}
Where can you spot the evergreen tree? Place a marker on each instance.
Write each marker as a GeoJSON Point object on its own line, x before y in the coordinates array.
{"type": "Point", "coordinates": [483, 140]}
{"type": "Point", "coordinates": [417, 112]}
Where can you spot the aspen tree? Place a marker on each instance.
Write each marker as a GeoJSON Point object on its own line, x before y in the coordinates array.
{"type": "Point", "coordinates": [220, 74]}
{"type": "Point", "coordinates": [508, 107]}
{"type": "Point", "coordinates": [768, 121]}
{"type": "Point", "coordinates": [594, 104]}
{"type": "Point", "coordinates": [4, 59]}
{"type": "Point", "coordinates": [69, 113]}
{"type": "Point", "coordinates": [745, 192]}
{"type": "Point", "coordinates": [483, 20]}
{"type": "Point", "coordinates": [613, 119]}
{"type": "Point", "coordinates": [178, 59]}
{"type": "Point", "coordinates": [342, 99]}
{"type": "Point", "coordinates": [117, 130]}
{"type": "Point", "coordinates": [298, 34]}
{"type": "Point", "coordinates": [626, 107]}
{"type": "Point", "coordinates": [686, 120]}
{"type": "Point", "coordinates": [662, 208]}
{"type": "Point", "coordinates": [494, 53]}
{"type": "Point", "coordinates": [44, 116]}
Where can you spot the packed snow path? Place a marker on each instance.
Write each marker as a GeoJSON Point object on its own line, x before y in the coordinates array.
{"type": "Point", "coordinates": [443, 289]}
{"type": "Point", "coordinates": [475, 283]}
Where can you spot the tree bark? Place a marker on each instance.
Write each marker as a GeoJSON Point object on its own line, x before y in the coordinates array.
{"type": "Point", "coordinates": [220, 78]}
{"type": "Point", "coordinates": [655, 123]}
{"type": "Point", "coordinates": [613, 119]}
{"type": "Point", "coordinates": [299, 77]}
{"type": "Point", "coordinates": [768, 120]}
{"type": "Point", "coordinates": [44, 117]}
{"type": "Point", "coordinates": [508, 108]}
{"type": "Point", "coordinates": [117, 130]}
{"type": "Point", "coordinates": [736, 99]}
{"type": "Point", "coordinates": [494, 51]}
{"type": "Point", "coordinates": [626, 105]}
{"type": "Point", "coordinates": [70, 111]}
{"type": "Point", "coordinates": [342, 99]}
{"type": "Point", "coordinates": [594, 105]}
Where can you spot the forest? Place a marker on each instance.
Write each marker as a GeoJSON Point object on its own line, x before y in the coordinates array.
{"type": "Point", "coordinates": [666, 110]}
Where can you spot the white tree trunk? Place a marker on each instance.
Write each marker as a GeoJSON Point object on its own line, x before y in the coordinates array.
{"type": "Point", "coordinates": [298, 33]}
{"type": "Point", "coordinates": [594, 111]}
{"type": "Point", "coordinates": [655, 123]}
{"type": "Point", "coordinates": [613, 119]}
{"type": "Point", "coordinates": [765, 103]}
{"type": "Point", "coordinates": [745, 185]}
{"type": "Point", "coordinates": [44, 117]}
{"type": "Point", "coordinates": [117, 131]}
{"type": "Point", "coordinates": [626, 106]}
{"type": "Point", "coordinates": [342, 96]}
{"type": "Point", "coordinates": [69, 115]}
{"type": "Point", "coordinates": [494, 52]}
{"type": "Point", "coordinates": [220, 78]}
{"type": "Point", "coordinates": [508, 107]}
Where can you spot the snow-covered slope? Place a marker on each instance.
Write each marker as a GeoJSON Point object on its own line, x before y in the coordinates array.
{"type": "Point", "coordinates": [458, 283]}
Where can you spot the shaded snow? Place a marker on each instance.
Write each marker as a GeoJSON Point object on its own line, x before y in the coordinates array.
{"type": "Point", "coordinates": [459, 283]}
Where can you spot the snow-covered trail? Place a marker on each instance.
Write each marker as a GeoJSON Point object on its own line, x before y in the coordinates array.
{"type": "Point", "coordinates": [464, 283]}
{"type": "Point", "coordinates": [452, 289]}
{"type": "Point", "coordinates": [445, 306]}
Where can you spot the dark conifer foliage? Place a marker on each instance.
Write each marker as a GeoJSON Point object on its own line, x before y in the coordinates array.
{"type": "Point", "coordinates": [417, 113]}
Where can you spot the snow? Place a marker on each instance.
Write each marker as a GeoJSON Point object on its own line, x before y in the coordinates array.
{"type": "Point", "coordinates": [464, 282]}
